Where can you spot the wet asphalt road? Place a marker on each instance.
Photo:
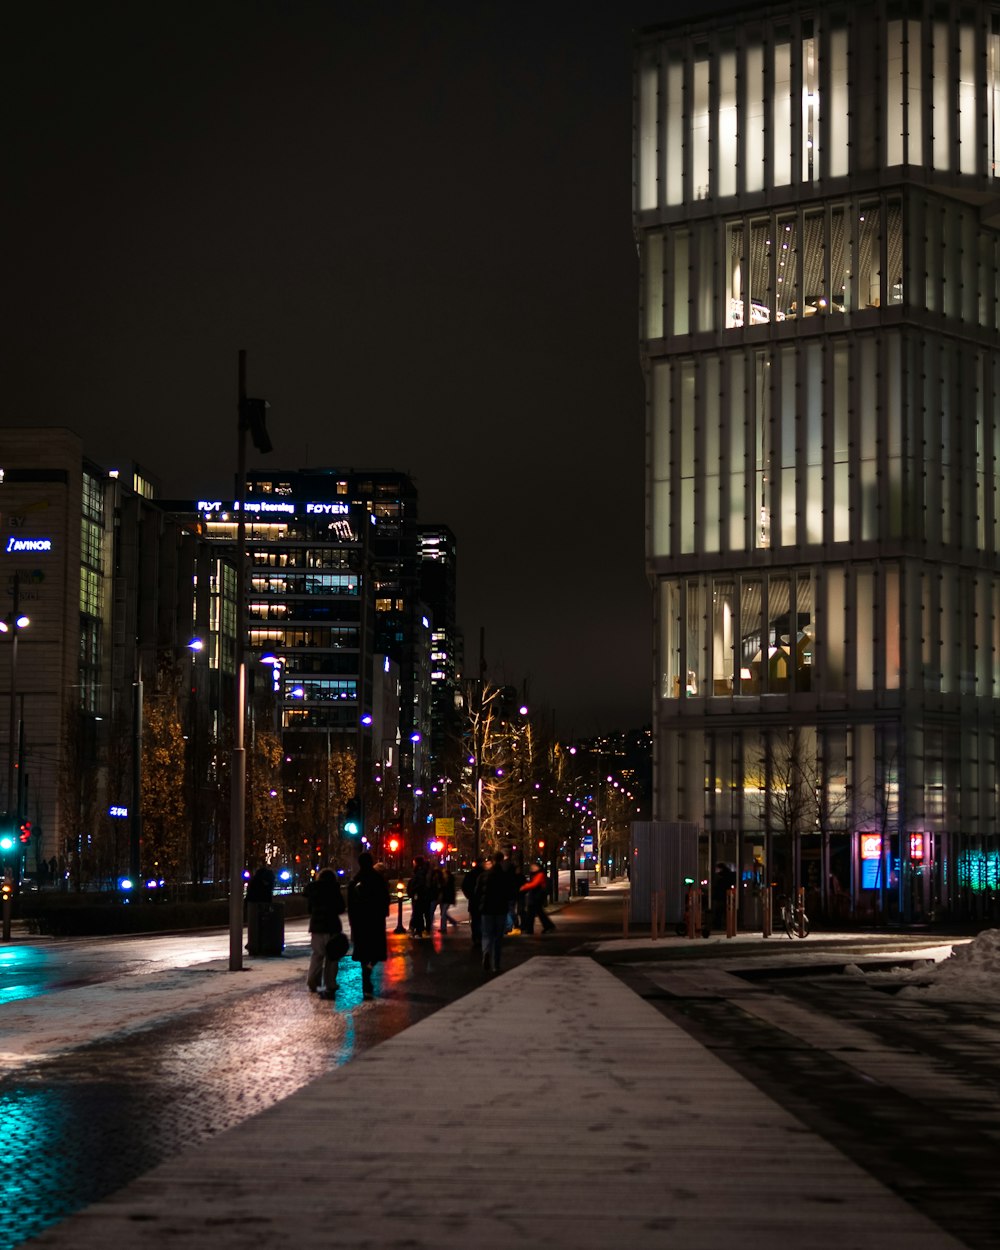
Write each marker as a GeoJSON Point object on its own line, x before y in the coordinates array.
{"type": "Point", "coordinates": [78, 1127]}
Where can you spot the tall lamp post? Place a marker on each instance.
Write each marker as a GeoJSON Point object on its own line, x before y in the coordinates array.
{"type": "Point", "coordinates": [13, 624]}
{"type": "Point", "coordinates": [251, 419]}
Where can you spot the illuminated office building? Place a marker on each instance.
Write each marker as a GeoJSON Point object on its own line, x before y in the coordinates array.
{"type": "Point", "coordinates": [438, 565]}
{"type": "Point", "coordinates": [817, 207]}
{"type": "Point", "coordinates": [366, 522]}
{"type": "Point", "coordinates": [112, 591]}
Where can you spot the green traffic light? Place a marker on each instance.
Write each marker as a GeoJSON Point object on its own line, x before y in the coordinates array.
{"type": "Point", "coordinates": [6, 842]}
{"type": "Point", "coordinates": [352, 828]}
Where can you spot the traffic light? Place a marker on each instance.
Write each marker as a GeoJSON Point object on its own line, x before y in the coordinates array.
{"type": "Point", "coordinates": [6, 890]}
{"type": "Point", "coordinates": [352, 819]}
{"type": "Point", "coordinates": [25, 831]}
{"type": "Point", "coordinates": [7, 842]}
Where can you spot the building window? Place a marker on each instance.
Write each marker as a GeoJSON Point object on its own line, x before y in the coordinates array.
{"type": "Point", "coordinates": [670, 640]}
{"type": "Point", "coordinates": [727, 125]}
{"type": "Point", "coordinates": [92, 499]}
{"type": "Point", "coordinates": [90, 592]}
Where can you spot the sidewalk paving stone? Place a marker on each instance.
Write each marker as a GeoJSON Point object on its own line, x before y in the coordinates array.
{"type": "Point", "coordinates": [553, 1106]}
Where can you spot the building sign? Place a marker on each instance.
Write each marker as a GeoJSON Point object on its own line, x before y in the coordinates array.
{"type": "Point", "coordinates": [28, 544]}
{"type": "Point", "coordinates": [871, 845]}
{"type": "Point", "coordinates": [118, 811]}
{"type": "Point", "coordinates": [264, 507]}
{"type": "Point", "coordinates": [871, 861]}
{"type": "Point", "coordinates": [444, 828]}
{"type": "Point", "coordinates": [916, 846]}
{"type": "Point", "coordinates": [329, 509]}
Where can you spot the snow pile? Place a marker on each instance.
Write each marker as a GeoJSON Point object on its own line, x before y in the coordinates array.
{"type": "Point", "coordinates": [971, 972]}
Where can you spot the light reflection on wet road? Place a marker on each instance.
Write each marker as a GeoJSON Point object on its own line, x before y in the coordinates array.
{"type": "Point", "coordinates": [78, 1127]}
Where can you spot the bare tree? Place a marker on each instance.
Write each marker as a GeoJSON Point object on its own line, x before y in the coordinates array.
{"type": "Point", "coordinates": [166, 829]}
{"type": "Point", "coordinates": [800, 801]}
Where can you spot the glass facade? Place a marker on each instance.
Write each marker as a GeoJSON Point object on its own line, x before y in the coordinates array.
{"type": "Point", "coordinates": [815, 202]}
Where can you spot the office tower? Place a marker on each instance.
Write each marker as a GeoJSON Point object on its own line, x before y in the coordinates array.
{"type": "Point", "coordinates": [816, 208]}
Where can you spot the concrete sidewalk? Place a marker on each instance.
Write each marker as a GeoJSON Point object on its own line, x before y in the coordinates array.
{"type": "Point", "coordinates": [553, 1107]}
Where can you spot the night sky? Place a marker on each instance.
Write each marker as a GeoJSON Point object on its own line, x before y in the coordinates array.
{"type": "Point", "coordinates": [416, 219]}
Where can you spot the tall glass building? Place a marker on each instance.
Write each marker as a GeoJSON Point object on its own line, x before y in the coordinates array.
{"type": "Point", "coordinates": [817, 208]}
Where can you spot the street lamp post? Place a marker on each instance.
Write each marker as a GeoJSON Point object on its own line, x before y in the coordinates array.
{"type": "Point", "coordinates": [250, 419]}
{"type": "Point", "coordinates": [13, 624]}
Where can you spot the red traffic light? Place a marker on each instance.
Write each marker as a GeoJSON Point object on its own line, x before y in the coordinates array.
{"type": "Point", "coordinates": [26, 831]}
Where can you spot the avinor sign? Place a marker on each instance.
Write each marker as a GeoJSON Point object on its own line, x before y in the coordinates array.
{"type": "Point", "coordinates": [28, 544]}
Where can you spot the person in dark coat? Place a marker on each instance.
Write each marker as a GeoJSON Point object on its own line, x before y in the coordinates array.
{"type": "Point", "coordinates": [420, 892]}
{"type": "Point", "coordinates": [470, 883]}
{"type": "Point", "coordinates": [722, 878]}
{"type": "Point", "coordinates": [326, 905]}
{"type": "Point", "coordinates": [446, 898]}
{"type": "Point", "coordinates": [367, 909]}
{"type": "Point", "coordinates": [493, 896]}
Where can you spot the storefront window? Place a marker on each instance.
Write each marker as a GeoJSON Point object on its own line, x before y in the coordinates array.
{"type": "Point", "coordinates": [670, 640]}
{"type": "Point", "coordinates": [723, 636]}
{"type": "Point", "coordinates": [750, 636]}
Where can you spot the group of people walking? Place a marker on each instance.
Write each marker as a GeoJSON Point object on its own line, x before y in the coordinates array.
{"type": "Point", "coordinates": [502, 900]}
{"type": "Point", "coordinates": [429, 890]}
{"type": "Point", "coordinates": [367, 907]}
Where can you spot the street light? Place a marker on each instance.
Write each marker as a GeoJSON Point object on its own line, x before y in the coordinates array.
{"type": "Point", "coordinates": [251, 419]}
{"type": "Point", "coordinates": [13, 624]}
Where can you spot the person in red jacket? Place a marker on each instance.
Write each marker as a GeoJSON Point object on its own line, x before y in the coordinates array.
{"type": "Point", "coordinates": [536, 888]}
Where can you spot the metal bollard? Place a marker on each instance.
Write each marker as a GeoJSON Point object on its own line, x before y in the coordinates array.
{"type": "Point", "coordinates": [731, 912]}
{"type": "Point", "coordinates": [766, 902]}
{"type": "Point", "coordinates": [626, 908]}
{"type": "Point", "coordinates": [400, 927]}
{"type": "Point", "coordinates": [800, 911]}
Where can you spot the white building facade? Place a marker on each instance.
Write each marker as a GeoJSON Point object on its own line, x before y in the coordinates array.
{"type": "Point", "coordinates": [817, 208]}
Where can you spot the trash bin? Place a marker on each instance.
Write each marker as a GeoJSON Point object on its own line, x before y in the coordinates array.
{"type": "Point", "coordinates": [582, 887]}
{"type": "Point", "coordinates": [265, 929]}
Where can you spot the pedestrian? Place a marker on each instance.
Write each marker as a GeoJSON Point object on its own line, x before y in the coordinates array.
{"type": "Point", "coordinates": [534, 892]}
{"type": "Point", "coordinates": [493, 897]}
{"type": "Point", "coordinates": [469, 883]}
{"type": "Point", "coordinates": [367, 909]}
{"type": "Point", "coordinates": [515, 879]}
{"type": "Point", "coordinates": [326, 905]}
{"type": "Point", "coordinates": [433, 895]}
{"type": "Point", "coordinates": [446, 898]}
{"type": "Point", "coordinates": [418, 890]}
{"type": "Point", "coordinates": [722, 878]}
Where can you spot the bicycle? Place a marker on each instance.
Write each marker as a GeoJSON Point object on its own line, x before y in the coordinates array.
{"type": "Point", "coordinates": [793, 917]}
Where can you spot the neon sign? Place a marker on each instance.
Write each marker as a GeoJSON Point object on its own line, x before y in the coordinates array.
{"type": "Point", "coordinates": [329, 509]}
{"type": "Point", "coordinates": [263, 506]}
{"type": "Point", "coordinates": [28, 544]}
{"type": "Point", "coordinates": [871, 845]}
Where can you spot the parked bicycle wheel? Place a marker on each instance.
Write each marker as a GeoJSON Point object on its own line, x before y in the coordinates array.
{"type": "Point", "coordinates": [787, 914]}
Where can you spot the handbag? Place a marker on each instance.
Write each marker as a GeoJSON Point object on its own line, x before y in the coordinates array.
{"type": "Point", "coordinates": [338, 946]}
